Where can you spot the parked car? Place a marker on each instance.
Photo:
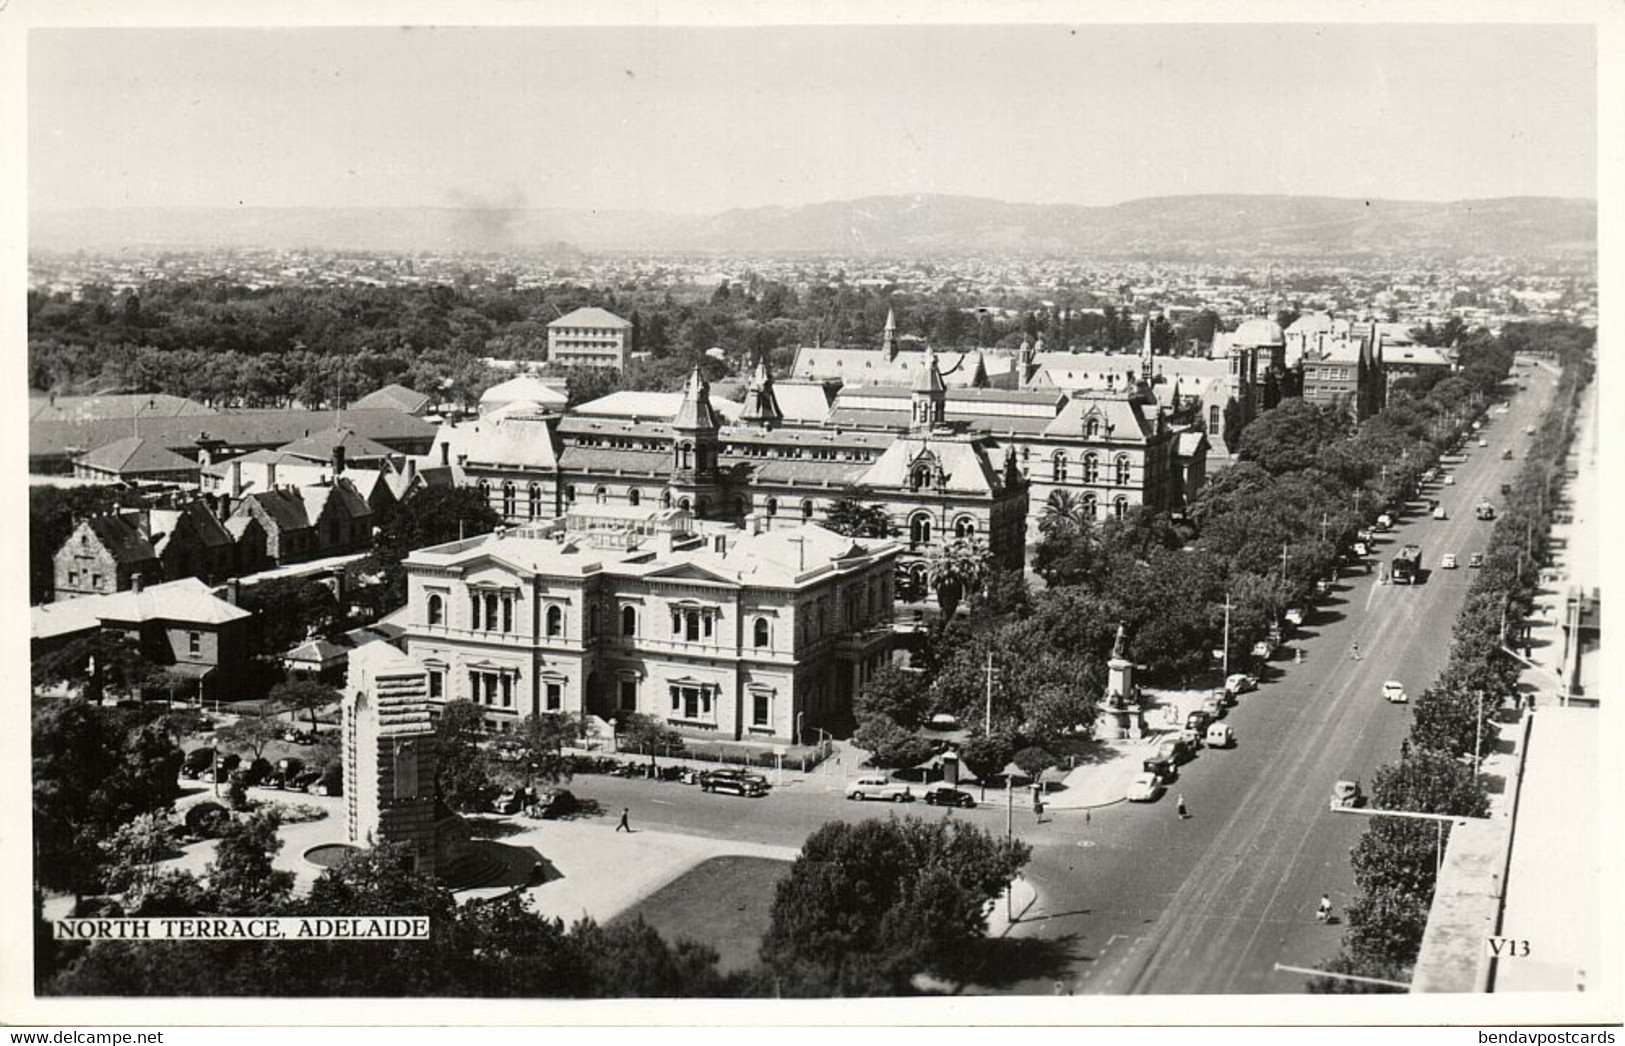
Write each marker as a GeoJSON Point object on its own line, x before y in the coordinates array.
{"type": "Point", "coordinates": [1182, 747]}
{"type": "Point", "coordinates": [943, 721]}
{"type": "Point", "coordinates": [304, 781]}
{"type": "Point", "coordinates": [1346, 793]}
{"type": "Point", "coordinates": [510, 801]}
{"type": "Point", "coordinates": [1439, 513]}
{"type": "Point", "coordinates": [1506, 455]}
{"type": "Point", "coordinates": [1361, 549]}
{"type": "Point", "coordinates": [1294, 616]}
{"type": "Point", "coordinates": [1475, 560]}
{"type": "Point", "coordinates": [1263, 649]}
{"type": "Point", "coordinates": [551, 802]}
{"type": "Point", "coordinates": [1393, 692]}
{"type": "Point", "coordinates": [1447, 561]}
{"type": "Point", "coordinates": [1384, 522]}
{"type": "Point", "coordinates": [1240, 683]}
{"type": "Point", "coordinates": [875, 786]}
{"type": "Point", "coordinates": [733, 782]}
{"type": "Point", "coordinates": [1198, 721]}
{"type": "Point", "coordinates": [1219, 735]}
{"type": "Point", "coordinates": [1160, 765]}
{"type": "Point", "coordinates": [948, 795]}
{"type": "Point", "coordinates": [196, 762]}
{"type": "Point", "coordinates": [1214, 705]}
{"type": "Point", "coordinates": [1482, 442]}
{"type": "Point", "coordinates": [1144, 788]}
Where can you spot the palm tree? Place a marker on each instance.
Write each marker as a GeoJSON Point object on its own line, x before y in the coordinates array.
{"type": "Point", "coordinates": [1063, 511]}
{"type": "Point", "coordinates": [958, 568]}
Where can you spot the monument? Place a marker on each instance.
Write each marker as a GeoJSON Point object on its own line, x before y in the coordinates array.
{"type": "Point", "coordinates": [1123, 702]}
{"type": "Point", "coordinates": [390, 761]}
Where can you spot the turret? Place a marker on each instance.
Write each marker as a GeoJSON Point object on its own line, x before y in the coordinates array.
{"type": "Point", "coordinates": [929, 396]}
{"type": "Point", "coordinates": [761, 405]}
{"type": "Point", "coordinates": [695, 428]}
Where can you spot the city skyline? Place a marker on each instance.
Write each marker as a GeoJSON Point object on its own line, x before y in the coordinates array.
{"type": "Point", "coordinates": [696, 120]}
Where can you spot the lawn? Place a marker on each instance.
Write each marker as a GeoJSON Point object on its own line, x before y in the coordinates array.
{"type": "Point", "coordinates": [724, 902]}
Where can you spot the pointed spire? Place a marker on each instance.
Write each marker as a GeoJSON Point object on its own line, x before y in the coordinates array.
{"type": "Point", "coordinates": [695, 411]}
{"type": "Point", "coordinates": [978, 374]}
{"type": "Point", "coordinates": [761, 405]}
{"type": "Point", "coordinates": [888, 337]}
{"type": "Point", "coordinates": [1146, 351]}
{"type": "Point", "coordinates": [1012, 474]}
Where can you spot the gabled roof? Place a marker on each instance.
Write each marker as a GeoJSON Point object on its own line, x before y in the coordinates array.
{"type": "Point", "coordinates": [591, 316]}
{"type": "Point", "coordinates": [654, 406]}
{"type": "Point", "coordinates": [318, 446]}
{"type": "Point", "coordinates": [520, 441]}
{"type": "Point", "coordinates": [122, 538]}
{"type": "Point", "coordinates": [964, 462]}
{"type": "Point", "coordinates": [133, 456]}
{"type": "Point", "coordinates": [801, 400]}
{"type": "Point", "coordinates": [204, 526]}
{"type": "Point", "coordinates": [113, 407]}
{"type": "Point", "coordinates": [238, 428]}
{"type": "Point", "coordinates": [1120, 418]}
{"type": "Point", "coordinates": [284, 508]}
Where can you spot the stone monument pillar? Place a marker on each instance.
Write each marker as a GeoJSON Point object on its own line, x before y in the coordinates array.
{"type": "Point", "coordinates": [390, 754]}
{"type": "Point", "coordinates": [1122, 698]}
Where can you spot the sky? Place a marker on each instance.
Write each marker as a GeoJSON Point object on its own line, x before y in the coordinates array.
{"type": "Point", "coordinates": [701, 120]}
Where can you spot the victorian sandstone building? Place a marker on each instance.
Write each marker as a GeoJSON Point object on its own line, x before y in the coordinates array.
{"type": "Point", "coordinates": [732, 633]}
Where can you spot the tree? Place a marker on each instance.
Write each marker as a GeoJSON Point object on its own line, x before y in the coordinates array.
{"type": "Point", "coordinates": [1289, 437]}
{"type": "Point", "coordinates": [304, 695]}
{"type": "Point", "coordinates": [890, 745]}
{"type": "Point", "coordinates": [434, 516]}
{"type": "Point", "coordinates": [1386, 927]}
{"type": "Point", "coordinates": [895, 693]}
{"type": "Point", "coordinates": [249, 734]}
{"type": "Point", "coordinates": [986, 755]}
{"type": "Point", "coordinates": [241, 875]}
{"type": "Point", "coordinates": [867, 906]}
{"type": "Point", "coordinates": [956, 569]}
{"type": "Point", "coordinates": [1034, 760]}
{"type": "Point", "coordinates": [91, 774]}
{"type": "Point", "coordinates": [461, 768]}
{"type": "Point", "coordinates": [640, 732]}
{"type": "Point", "coordinates": [1430, 782]}
{"type": "Point", "coordinates": [541, 740]}
{"type": "Point", "coordinates": [287, 611]}
{"type": "Point", "coordinates": [849, 516]}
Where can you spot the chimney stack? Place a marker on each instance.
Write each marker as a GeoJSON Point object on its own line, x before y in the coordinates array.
{"type": "Point", "coordinates": [411, 469]}
{"type": "Point", "coordinates": [234, 591]}
{"type": "Point", "coordinates": [445, 454]}
{"type": "Point", "coordinates": [270, 475]}
{"type": "Point", "coordinates": [135, 582]}
{"type": "Point", "coordinates": [338, 461]}
{"type": "Point", "coordinates": [236, 479]}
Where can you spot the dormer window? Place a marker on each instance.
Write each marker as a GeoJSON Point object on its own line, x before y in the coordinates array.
{"type": "Point", "coordinates": [1091, 428]}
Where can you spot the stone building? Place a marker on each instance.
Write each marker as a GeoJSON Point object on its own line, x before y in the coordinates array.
{"type": "Point", "coordinates": [721, 632]}
{"type": "Point", "coordinates": [590, 337]}
{"type": "Point", "coordinates": [107, 553]}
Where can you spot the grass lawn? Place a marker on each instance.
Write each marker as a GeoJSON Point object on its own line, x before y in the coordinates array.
{"type": "Point", "coordinates": [724, 902]}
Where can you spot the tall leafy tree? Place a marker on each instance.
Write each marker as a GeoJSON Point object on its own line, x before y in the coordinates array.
{"type": "Point", "coordinates": [956, 569]}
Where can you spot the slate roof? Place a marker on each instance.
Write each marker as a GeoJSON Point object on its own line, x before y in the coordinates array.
{"type": "Point", "coordinates": [608, 459]}
{"type": "Point", "coordinates": [113, 407]}
{"type": "Point", "coordinates": [591, 316]}
{"type": "Point", "coordinates": [247, 428]}
{"type": "Point", "coordinates": [394, 397]}
{"type": "Point", "coordinates": [654, 406]}
{"type": "Point", "coordinates": [517, 441]}
{"type": "Point", "coordinates": [121, 536]}
{"type": "Point", "coordinates": [202, 523]}
{"type": "Point", "coordinates": [524, 388]}
{"type": "Point", "coordinates": [318, 446]}
{"type": "Point", "coordinates": [135, 456]}
{"type": "Point", "coordinates": [1121, 418]}
{"type": "Point", "coordinates": [801, 401]}
{"type": "Point", "coordinates": [964, 461]}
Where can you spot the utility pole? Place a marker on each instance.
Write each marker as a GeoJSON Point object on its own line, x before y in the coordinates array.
{"type": "Point", "coordinates": [1009, 810]}
{"type": "Point", "coordinates": [1227, 635]}
{"type": "Point", "coordinates": [1478, 731]}
{"type": "Point", "coordinates": [987, 713]}
{"type": "Point", "coordinates": [1323, 522]}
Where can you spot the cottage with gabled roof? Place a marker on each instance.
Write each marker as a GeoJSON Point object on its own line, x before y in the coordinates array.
{"type": "Point", "coordinates": [105, 554]}
{"type": "Point", "coordinates": [135, 460]}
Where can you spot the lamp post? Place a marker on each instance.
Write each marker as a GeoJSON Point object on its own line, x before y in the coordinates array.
{"type": "Point", "coordinates": [799, 714]}
{"type": "Point", "coordinates": [987, 712]}
{"type": "Point", "coordinates": [1562, 685]}
{"type": "Point", "coordinates": [1439, 819]}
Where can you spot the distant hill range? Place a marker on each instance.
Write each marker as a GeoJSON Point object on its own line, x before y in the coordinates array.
{"type": "Point", "coordinates": [1169, 226]}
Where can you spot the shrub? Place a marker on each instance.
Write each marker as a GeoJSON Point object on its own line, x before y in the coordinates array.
{"type": "Point", "coordinates": [205, 820]}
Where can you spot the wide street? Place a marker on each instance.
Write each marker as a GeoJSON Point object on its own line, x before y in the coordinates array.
{"type": "Point", "coordinates": [1131, 899]}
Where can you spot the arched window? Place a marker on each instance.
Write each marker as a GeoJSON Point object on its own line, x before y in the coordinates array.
{"type": "Point", "coordinates": [1122, 470]}
{"type": "Point", "coordinates": [1059, 464]}
{"type": "Point", "coordinates": [1120, 507]}
{"type": "Point", "coordinates": [629, 621]}
{"type": "Point", "coordinates": [510, 505]}
{"type": "Point", "coordinates": [772, 506]}
{"type": "Point", "coordinates": [665, 499]}
{"type": "Point", "coordinates": [685, 505]}
{"type": "Point", "coordinates": [806, 508]}
{"type": "Point", "coordinates": [600, 495]}
{"type": "Point", "coordinates": [1091, 510]}
{"type": "Point", "coordinates": [1091, 468]}
{"type": "Point", "coordinates": [437, 610]}
{"type": "Point", "coordinates": [555, 622]}
{"type": "Point", "coordinates": [740, 507]}
{"type": "Point", "coordinates": [484, 487]}
{"type": "Point", "coordinates": [761, 633]}
{"type": "Point", "coordinates": [921, 477]}
{"type": "Point", "coordinates": [535, 493]}
{"type": "Point", "coordinates": [634, 496]}
{"type": "Point", "coordinates": [964, 527]}
{"type": "Point", "coordinates": [569, 493]}
{"type": "Point", "coordinates": [685, 455]}
{"type": "Point", "coordinates": [919, 530]}
{"type": "Point", "coordinates": [1091, 428]}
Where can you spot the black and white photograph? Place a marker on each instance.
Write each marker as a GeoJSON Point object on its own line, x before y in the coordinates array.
{"type": "Point", "coordinates": [679, 513]}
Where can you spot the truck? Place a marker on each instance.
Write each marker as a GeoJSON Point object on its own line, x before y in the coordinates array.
{"type": "Point", "coordinates": [1484, 510]}
{"type": "Point", "coordinates": [1407, 565]}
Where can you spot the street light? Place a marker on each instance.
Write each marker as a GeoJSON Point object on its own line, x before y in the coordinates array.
{"type": "Point", "coordinates": [1440, 819]}
{"type": "Point", "coordinates": [1562, 684]}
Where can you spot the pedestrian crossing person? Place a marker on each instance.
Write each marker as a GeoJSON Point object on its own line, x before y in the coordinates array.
{"type": "Point", "coordinates": [1180, 807]}
{"type": "Point", "coordinates": [1324, 912]}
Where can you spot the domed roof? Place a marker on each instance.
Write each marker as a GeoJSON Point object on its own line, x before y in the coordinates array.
{"type": "Point", "coordinates": [1258, 332]}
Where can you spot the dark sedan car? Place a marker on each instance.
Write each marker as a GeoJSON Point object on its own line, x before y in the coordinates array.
{"type": "Point", "coordinates": [948, 795]}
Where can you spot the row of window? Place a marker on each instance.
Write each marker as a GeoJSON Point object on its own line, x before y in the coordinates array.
{"type": "Point", "coordinates": [1121, 467]}
{"type": "Point", "coordinates": [920, 528]}
{"type": "Point", "coordinates": [493, 612]}
{"type": "Point", "coordinates": [697, 703]}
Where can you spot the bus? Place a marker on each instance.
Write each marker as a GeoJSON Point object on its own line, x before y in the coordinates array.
{"type": "Point", "coordinates": [1407, 565]}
